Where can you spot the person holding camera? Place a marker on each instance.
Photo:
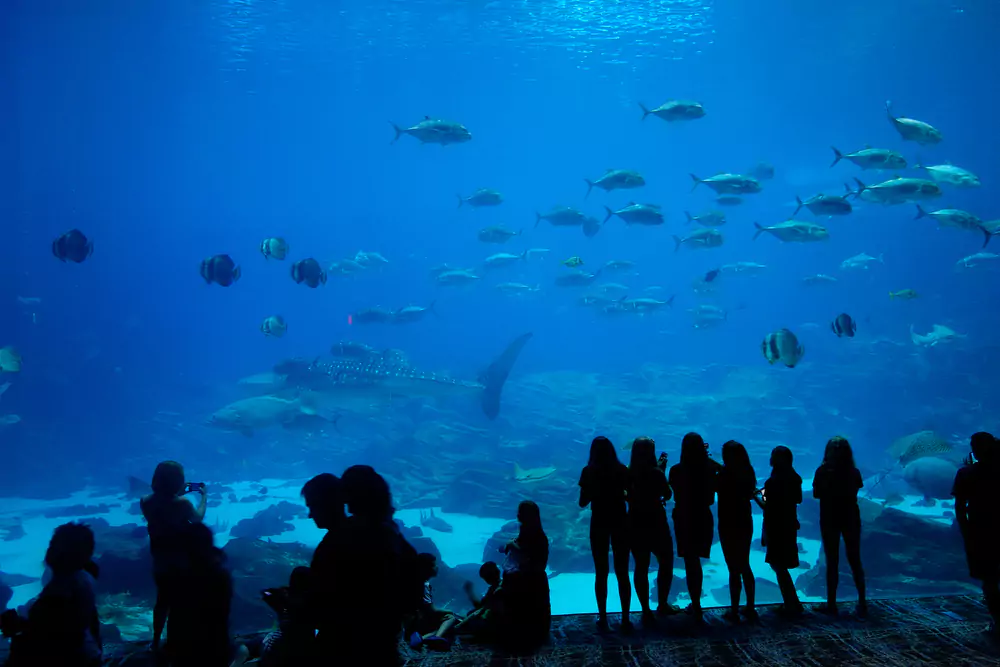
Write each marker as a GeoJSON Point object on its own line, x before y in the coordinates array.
{"type": "Point", "coordinates": [292, 643]}
{"type": "Point", "coordinates": [168, 514]}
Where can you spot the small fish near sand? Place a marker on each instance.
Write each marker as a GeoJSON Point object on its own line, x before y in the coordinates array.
{"type": "Point", "coordinates": [72, 246]}
{"type": "Point", "coordinates": [221, 270]}
{"type": "Point", "coordinates": [274, 247]}
{"type": "Point", "coordinates": [434, 131]}
{"type": "Point", "coordinates": [274, 326]}
{"type": "Point", "coordinates": [616, 179]}
{"type": "Point", "coordinates": [917, 131]}
{"type": "Point", "coordinates": [481, 197]}
{"type": "Point", "coordinates": [434, 522]}
{"type": "Point", "coordinates": [844, 325]}
{"type": "Point", "coordinates": [309, 272]}
{"type": "Point", "coordinates": [782, 346]}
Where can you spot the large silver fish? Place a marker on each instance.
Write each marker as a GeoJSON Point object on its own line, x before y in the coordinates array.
{"type": "Point", "coordinates": [381, 377]}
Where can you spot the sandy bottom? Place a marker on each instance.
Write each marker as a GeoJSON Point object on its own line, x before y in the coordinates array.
{"type": "Point", "coordinates": [571, 593]}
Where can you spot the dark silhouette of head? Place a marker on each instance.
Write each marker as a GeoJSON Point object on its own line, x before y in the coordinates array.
{"type": "Point", "coordinates": [781, 458]}
{"type": "Point", "coordinates": [367, 494]}
{"type": "Point", "coordinates": [734, 454]}
{"type": "Point", "coordinates": [838, 454]}
{"type": "Point", "coordinates": [427, 566]}
{"type": "Point", "coordinates": [301, 579]}
{"type": "Point", "coordinates": [71, 549]}
{"type": "Point", "coordinates": [694, 452]}
{"type": "Point", "coordinates": [490, 573]}
{"type": "Point", "coordinates": [985, 447]}
{"type": "Point", "coordinates": [643, 454]}
{"type": "Point", "coordinates": [168, 479]}
{"type": "Point", "coordinates": [529, 516]}
{"type": "Point", "coordinates": [324, 496]}
{"type": "Point", "coordinates": [602, 454]}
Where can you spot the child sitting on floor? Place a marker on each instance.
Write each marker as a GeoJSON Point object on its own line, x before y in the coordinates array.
{"type": "Point", "coordinates": [483, 623]}
{"type": "Point", "coordinates": [431, 626]}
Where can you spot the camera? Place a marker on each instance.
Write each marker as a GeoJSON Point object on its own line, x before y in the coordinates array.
{"type": "Point", "coordinates": [191, 487]}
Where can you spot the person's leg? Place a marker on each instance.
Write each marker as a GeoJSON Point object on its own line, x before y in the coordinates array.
{"type": "Point", "coordinates": [620, 553]}
{"type": "Point", "coordinates": [831, 549]}
{"type": "Point", "coordinates": [641, 577]}
{"type": "Point", "coordinates": [599, 540]}
{"type": "Point", "coordinates": [852, 545]}
{"type": "Point", "coordinates": [160, 610]}
{"type": "Point", "coordinates": [735, 571]}
{"type": "Point", "coordinates": [695, 577]}
{"type": "Point", "coordinates": [664, 573]}
{"type": "Point", "coordinates": [749, 583]}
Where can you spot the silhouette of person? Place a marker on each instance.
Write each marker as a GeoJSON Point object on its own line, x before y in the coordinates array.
{"type": "Point", "coordinates": [198, 625]}
{"type": "Point", "coordinates": [62, 626]}
{"type": "Point", "coordinates": [737, 488]}
{"type": "Point", "coordinates": [324, 497]}
{"type": "Point", "coordinates": [977, 510]}
{"type": "Point", "coordinates": [694, 482]}
{"type": "Point", "coordinates": [528, 612]}
{"type": "Point", "coordinates": [432, 626]}
{"type": "Point", "coordinates": [835, 486]}
{"type": "Point", "coordinates": [781, 496]}
{"type": "Point", "coordinates": [292, 643]}
{"type": "Point", "coordinates": [603, 486]}
{"type": "Point", "coordinates": [649, 533]}
{"type": "Point", "coordinates": [168, 514]}
{"type": "Point", "coordinates": [379, 572]}
{"type": "Point", "coordinates": [485, 620]}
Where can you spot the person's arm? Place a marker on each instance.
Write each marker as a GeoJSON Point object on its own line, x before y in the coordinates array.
{"type": "Point", "coordinates": [474, 599]}
{"type": "Point", "coordinates": [758, 497]}
{"type": "Point", "coordinates": [199, 511]}
{"type": "Point", "coordinates": [585, 495]}
{"type": "Point", "coordinates": [667, 492]}
{"type": "Point", "coordinates": [818, 484]}
{"type": "Point", "coordinates": [961, 503]}
{"type": "Point", "coordinates": [798, 493]}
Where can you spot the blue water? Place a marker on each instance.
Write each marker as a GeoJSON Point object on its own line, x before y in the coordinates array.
{"type": "Point", "coordinates": [170, 132]}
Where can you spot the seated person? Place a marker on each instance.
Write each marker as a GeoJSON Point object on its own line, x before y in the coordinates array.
{"type": "Point", "coordinates": [430, 625]}
{"type": "Point", "coordinates": [291, 644]}
{"type": "Point", "coordinates": [483, 623]}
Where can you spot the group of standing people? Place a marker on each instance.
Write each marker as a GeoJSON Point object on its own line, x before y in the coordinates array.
{"type": "Point", "coordinates": [629, 518]}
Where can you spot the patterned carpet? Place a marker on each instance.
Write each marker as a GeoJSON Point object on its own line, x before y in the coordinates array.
{"type": "Point", "coordinates": [937, 631]}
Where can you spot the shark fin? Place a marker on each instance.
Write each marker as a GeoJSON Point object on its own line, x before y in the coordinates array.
{"type": "Point", "coordinates": [495, 376]}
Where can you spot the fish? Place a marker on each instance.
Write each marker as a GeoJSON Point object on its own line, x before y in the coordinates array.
{"type": "Point", "coordinates": [819, 279]}
{"type": "Point", "coordinates": [481, 197]}
{"type": "Point", "coordinates": [861, 261]}
{"type": "Point", "coordinates": [502, 259]}
{"type": "Point", "coordinates": [497, 234]}
{"type": "Point", "coordinates": [979, 259]}
{"type": "Point", "coordinates": [572, 262]}
{"type": "Point", "coordinates": [248, 415]}
{"type": "Point", "coordinates": [917, 131]}
{"type": "Point", "coordinates": [524, 476]}
{"type": "Point", "coordinates": [308, 271]}
{"type": "Point", "coordinates": [638, 214]}
{"type": "Point", "coordinates": [367, 259]}
{"type": "Point", "coordinates": [707, 316]}
{"type": "Point", "coordinates": [435, 522]}
{"type": "Point", "coordinates": [825, 205]}
{"type": "Point", "coordinates": [371, 316]}
{"type": "Point", "coordinates": [783, 346]}
{"type": "Point", "coordinates": [591, 226]}
{"type": "Point", "coordinates": [412, 313]}
{"type": "Point", "coordinates": [221, 270]}
{"type": "Point", "coordinates": [844, 325]}
{"type": "Point", "coordinates": [616, 179]}
{"type": "Point", "coordinates": [952, 175]}
{"type": "Point", "coordinates": [700, 238]}
{"type": "Point", "coordinates": [792, 231]}
{"type": "Point", "coordinates": [379, 379]}
{"type": "Point", "coordinates": [274, 325]}
{"type": "Point", "coordinates": [561, 216]}
{"type": "Point", "coordinates": [893, 499]}
{"type": "Point", "coordinates": [674, 111]}
{"type": "Point", "coordinates": [275, 247]}
{"type": "Point", "coordinates": [957, 218]}
{"type": "Point", "coordinates": [4, 387]}
{"type": "Point", "coordinates": [712, 275]}
{"type": "Point", "coordinates": [73, 246]}
{"type": "Point", "coordinates": [871, 158]}
{"type": "Point", "coordinates": [515, 289]}
{"type": "Point", "coordinates": [710, 219]}
{"type": "Point", "coordinates": [439, 269]}
{"type": "Point", "coordinates": [345, 267]}
{"type": "Point", "coordinates": [645, 304]}
{"type": "Point", "coordinates": [434, 131]}
{"type": "Point", "coordinates": [937, 335]}
{"type": "Point", "coordinates": [11, 360]}
{"type": "Point", "coordinates": [576, 279]}
{"type": "Point", "coordinates": [898, 191]}
{"type": "Point", "coordinates": [904, 294]}
{"type": "Point", "coordinates": [456, 277]}
{"type": "Point", "coordinates": [729, 184]}
{"type": "Point", "coordinates": [762, 171]}
{"type": "Point", "coordinates": [619, 265]}
{"type": "Point", "coordinates": [743, 267]}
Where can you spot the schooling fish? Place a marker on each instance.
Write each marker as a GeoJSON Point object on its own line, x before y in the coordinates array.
{"type": "Point", "coordinates": [275, 247]}
{"type": "Point", "coordinates": [274, 326]}
{"type": "Point", "coordinates": [72, 246]}
{"type": "Point", "coordinates": [308, 271]}
{"type": "Point", "coordinates": [783, 346]}
{"type": "Point", "coordinates": [221, 270]}
{"type": "Point", "coordinates": [844, 325]}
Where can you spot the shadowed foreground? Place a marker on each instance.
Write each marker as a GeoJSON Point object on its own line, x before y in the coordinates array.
{"type": "Point", "coordinates": [905, 632]}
